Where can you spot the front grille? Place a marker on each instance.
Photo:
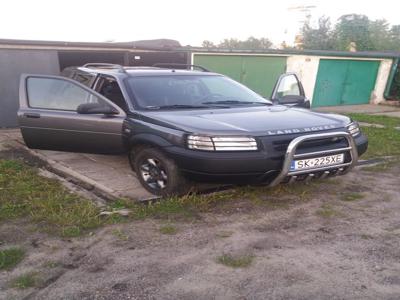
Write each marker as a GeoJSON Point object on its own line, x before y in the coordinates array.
{"type": "Point", "coordinates": [328, 143]}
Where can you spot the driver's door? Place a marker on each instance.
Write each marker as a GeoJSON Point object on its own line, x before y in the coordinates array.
{"type": "Point", "coordinates": [288, 90]}
{"type": "Point", "coordinates": [48, 117]}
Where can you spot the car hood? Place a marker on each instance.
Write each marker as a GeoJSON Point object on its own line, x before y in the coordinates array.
{"type": "Point", "coordinates": [258, 121]}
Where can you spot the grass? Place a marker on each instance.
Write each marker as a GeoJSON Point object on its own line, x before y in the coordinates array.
{"type": "Point", "coordinates": [241, 261]}
{"type": "Point", "coordinates": [23, 193]}
{"type": "Point", "coordinates": [168, 229]}
{"type": "Point", "coordinates": [224, 234]}
{"type": "Point", "coordinates": [25, 281]}
{"type": "Point", "coordinates": [351, 197]}
{"type": "Point", "coordinates": [382, 141]}
{"type": "Point", "coordinates": [327, 211]}
{"type": "Point", "coordinates": [120, 234]}
{"type": "Point", "coordinates": [10, 257]}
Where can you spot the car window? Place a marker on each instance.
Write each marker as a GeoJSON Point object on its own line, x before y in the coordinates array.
{"type": "Point", "coordinates": [288, 86]}
{"type": "Point", "coordinates": [84, 78]}
{"type": "Point", "coordinates": [109, 88]}
{"type": "Point", "coordinates": [51, 93]}
{"type": "Point", "coordinates": [189, 90]}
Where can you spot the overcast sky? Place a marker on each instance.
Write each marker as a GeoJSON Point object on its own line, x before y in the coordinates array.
{"type": "Point", "coordinates": [187, 21]}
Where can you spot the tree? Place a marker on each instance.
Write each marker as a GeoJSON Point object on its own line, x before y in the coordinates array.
{"type": "Point", "coordinates": [251, 43]}
{"type": "Point", "coordinates": [208, 44]}
{"type": "Point", "coordinates": [353, 28]}
{"type": "Point", "coordinates": [394, 38]}
{"type": "Point", "coordinates": [319, 38]}
{"type": "Point", "coordinates": [379, 35]}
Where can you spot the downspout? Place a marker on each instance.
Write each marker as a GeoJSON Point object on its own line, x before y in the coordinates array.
{"type": "Point", "coordinates": [389, 82]}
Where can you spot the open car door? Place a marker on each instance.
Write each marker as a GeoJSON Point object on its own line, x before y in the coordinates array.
{"type": "Point", "coordinates": [58, 113]}
{"type": "Point", "coordinates": [288, 90]}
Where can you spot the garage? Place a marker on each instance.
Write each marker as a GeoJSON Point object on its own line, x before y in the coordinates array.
{"type": "Point", "coordinates": [344, 82]}
{"type": "Point", "coordinates": [255, 71]}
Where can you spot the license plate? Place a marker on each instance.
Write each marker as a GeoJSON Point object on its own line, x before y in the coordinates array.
{"type": "Point", "coordinates": [315, 163]}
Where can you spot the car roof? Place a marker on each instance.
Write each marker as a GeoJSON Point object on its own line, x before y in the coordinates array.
{"type": "Point", "coordinates": [142, 71]}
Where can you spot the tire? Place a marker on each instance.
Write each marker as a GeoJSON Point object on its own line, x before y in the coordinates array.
{"type": "Point", "coordinates": [157, 173]}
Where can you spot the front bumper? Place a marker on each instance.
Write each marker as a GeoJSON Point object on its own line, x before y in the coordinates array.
{"type": "Point", "coordinates": [269, 164]}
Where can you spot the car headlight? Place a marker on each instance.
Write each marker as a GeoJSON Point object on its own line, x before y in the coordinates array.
{"type": "Point", "coordinates": [353, 128]}
{"type": "Point", "coordinates": [221, 143]}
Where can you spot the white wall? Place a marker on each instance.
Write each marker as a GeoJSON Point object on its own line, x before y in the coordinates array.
{"type": "Point", "coordinates": [381, 81]}
{"type": "Point", "coordinates": [306, 68]}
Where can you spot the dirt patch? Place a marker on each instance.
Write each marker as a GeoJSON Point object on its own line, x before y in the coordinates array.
{"type": "Point", "coordinates": [295, 252]}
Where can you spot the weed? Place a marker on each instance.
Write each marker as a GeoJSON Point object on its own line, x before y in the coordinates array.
{"type": "Point", "coordinates": [26, 194]}
{"type": "Point", "coordinates": [326, 211]}
{"type": "Point", "coordinates": [51, 264]}
{"type": "Point", "coordinates": [241, 261]}
{"type": "Point", "coordinates": [25, 281]}
{"type": "Point", "coordinates": [224, 234]}
{"type": "Point", "coordinates": [351, 197]}
{"type": "Point", "coordinates": [120, 234]}
{"type": "Point", "coordinates": [10, 257]}
{"type": "Point", "coordinates": [168, 229]}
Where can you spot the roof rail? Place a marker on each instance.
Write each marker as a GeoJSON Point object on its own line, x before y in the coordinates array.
{"type": "Point", "coordinates": [105, 66]}
{"type": "Point", "coordinates": [188, 66]}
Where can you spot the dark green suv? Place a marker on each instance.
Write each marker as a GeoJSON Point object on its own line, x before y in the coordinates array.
{"type": "Point", "coordinates": [178, 124]}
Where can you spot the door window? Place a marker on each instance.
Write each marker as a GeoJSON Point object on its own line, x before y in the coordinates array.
{"type": "Point", "coordinates": [109, 88]}
{"type": "Point", "coordinates": [288, 86]}
{"type": "Point", "coordinates": [51, 93]}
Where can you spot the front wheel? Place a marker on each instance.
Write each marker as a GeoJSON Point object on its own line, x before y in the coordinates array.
{"type": "Point", "coordinates": [157, 173]}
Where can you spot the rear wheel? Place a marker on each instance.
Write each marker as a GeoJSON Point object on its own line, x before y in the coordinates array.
{"type": "Point", "coordinates": [157, 173]}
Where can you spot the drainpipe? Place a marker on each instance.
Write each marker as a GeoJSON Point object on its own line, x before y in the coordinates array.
{"type": "Point", "coordinates": [391, 78]}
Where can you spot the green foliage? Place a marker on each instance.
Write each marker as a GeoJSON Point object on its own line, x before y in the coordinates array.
{"type": "Point", "coordinates": [25, 281]}
{"type": "Point", "coordinates": [353, 28]}
{"type": "Point", "coordinates": [381, 141]}
{"type": "Point", "coordinates": [317, 38]}
{"type": "Point", "coordinates": [10, 257]}
{"type": "Point", "coordinates": [242, 261]}
{"type": "Point", "coordinates": [351, 31]}
{"type": "Point", "coordinates": [23, 193]}
{"type": "Point", "coordinates": [233, 43]}
{"type": "Point", "coordinates": [168, 229]}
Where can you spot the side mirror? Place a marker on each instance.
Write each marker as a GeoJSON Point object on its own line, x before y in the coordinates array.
{"type": "Point", "coordinates": [96, 108]}
{"type": "Point", "coordinates": [294, 100]}
{"type": "Point", "coordinates": [289, 91]}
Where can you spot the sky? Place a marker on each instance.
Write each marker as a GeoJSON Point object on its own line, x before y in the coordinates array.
{"type": "Point", "coordinates": [190, 22]}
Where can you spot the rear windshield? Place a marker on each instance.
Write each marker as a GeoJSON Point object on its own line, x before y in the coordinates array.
{"type": "Point", "coordinates": [162, 91]}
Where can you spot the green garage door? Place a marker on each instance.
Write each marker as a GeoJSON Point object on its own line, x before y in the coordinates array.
{"type": "Point", "coordinates": [257, 72]}
{"type": "Point", "coordinates": [344, 82]}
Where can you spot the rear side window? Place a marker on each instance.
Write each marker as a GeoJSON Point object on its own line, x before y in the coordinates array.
{"type": "Point", "coordinates": [84, 78]}
{"type": "Point", "coordinates": [58, 94]}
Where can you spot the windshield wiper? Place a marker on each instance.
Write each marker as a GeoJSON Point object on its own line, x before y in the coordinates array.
{"type": "Point", "coordinates": [182, 106]}
{"type": "Point", "coordinates": [231, 101]}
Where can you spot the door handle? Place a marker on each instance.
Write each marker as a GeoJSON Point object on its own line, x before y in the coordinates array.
{"type": "Point", "coordinates": [32, 115]}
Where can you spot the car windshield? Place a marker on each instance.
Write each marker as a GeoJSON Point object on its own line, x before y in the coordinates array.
{"type": "Point", "coordinates": [191, 91]}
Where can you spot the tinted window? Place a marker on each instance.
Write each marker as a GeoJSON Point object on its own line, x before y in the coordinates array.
{"type": "Point", "coordinates": [189, 90]}
{"type": "Point", "coordinates": [50, 93]}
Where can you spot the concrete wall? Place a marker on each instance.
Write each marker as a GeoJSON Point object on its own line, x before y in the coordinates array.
{"type": "Point", "coordinates": [12, 64]}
